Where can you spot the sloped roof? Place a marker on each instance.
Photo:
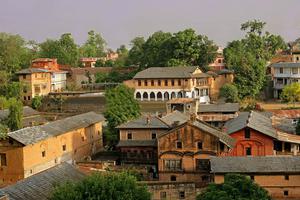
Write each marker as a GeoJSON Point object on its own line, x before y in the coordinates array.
{"type": "Point", "coordinates": [137, 143]}
{"type": "Point", "coordinates": [27, 112]}
{"type": "Point", "coordinates": [223, 137]}
{"type": "Point", "coordinates": [224, 107]}
{"type": "Point", "coordinates": [35, 134]}
{"type": "Point", "coordinates": [287, 137]}
{"type": "Point", "coordinates": [254, 120]}
{"type": "Point", "coordinates": [40, 186]}
{"type": "Point", "coordinates": [292, 113]}
{"type": "Point", "coordinates": [32, 71]}
{"type": "Point", "coordinates": [142, 123]}
{"type": "Point", "coordinates": [175, 116]}
{"type": "Point", "coordinates": [285, 64]}
{"type": "Point", "coordinates": [226, 139]}
{"type": "Point", "coordinates": [256, 164]}
{"type": "Point", "coordinates": [166, 72]}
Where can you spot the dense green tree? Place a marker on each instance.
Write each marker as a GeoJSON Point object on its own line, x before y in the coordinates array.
{"type": "Point", "coordinates": [37, 102]}
{"type": "Point", "coordinates": [166, 49]}
{"type": "Point", "coordinates": [120, 107]}
{"type": "Point", "coordinates": [4, 103]}
{"type": "Point", "coordinates": [64, 49]}
{"type": "Point", "coordinates": [230, 93]}
{"type": "Point", "coordinates": [112, 186]}
{"type": "Point", "coordinates": [12, 89]}
{"type": "Point", "coordinates": [248, 57]}
{"type": "Point", "coordinates": [291, 93]}
{"type": "Point", "coordinates": [14, 119]}
{"type": "Point", "coordinates": [135, 54]}
{"type": "Point", "coordinates": [235, 187]}
{"type": "Point", "coordinates": [121, 61]}
{"type": "Point", "coordinates": [14, 53]}
{"type": "Point", "coordinates": [94, 46]}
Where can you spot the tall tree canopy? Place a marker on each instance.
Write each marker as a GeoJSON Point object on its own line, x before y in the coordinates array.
{"type": "Point", "coordinates": [112, 186]}
{"type": "Point", "coordinates": [167, 49]}
{"type": "Point", "coordinates": [120, 107]}
{"type": "Point", "coordinates": [14, 53]}
{"type": "Point", "coordinates": [235, 187]}
{"type": "Point", "coordinates": [14, 119]}
{"type": "Point", "coordinates": [94, 46]}
{"type": "Point", "coordinates": [64, 49]}
{"type": "Point", "coordinates": [248, 57]}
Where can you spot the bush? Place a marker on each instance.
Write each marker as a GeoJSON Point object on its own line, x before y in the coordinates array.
{"type": "Point", "coordinates": [37, 102]}
{"type": "Point", "coordinates": [230, 93]}
{"type": "Point", "coordinates": [110, 186]}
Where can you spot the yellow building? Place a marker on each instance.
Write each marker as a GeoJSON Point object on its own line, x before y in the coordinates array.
{"type": "Point", "coordinates": [34, 149]}
{"type": "Point", "coordinates": [164, 83]}
{"type": "Point", "coordinates": [37, 82]}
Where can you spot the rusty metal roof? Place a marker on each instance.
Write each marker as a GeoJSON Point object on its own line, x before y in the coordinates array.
{"type": "Point", "coordinates": [292, 113]}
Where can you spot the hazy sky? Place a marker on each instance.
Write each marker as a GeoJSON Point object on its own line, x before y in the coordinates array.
{"type": "Point", "coordinates": [119, 21]}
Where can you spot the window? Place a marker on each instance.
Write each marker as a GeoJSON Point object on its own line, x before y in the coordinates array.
{"type": "Point", "coordinates": [279, 81]}
{"type": "Point", "coordinates": [64, 147]}
{"type": "Point", "coordinates": [219, 61]}
{"type": "Point", "coordinates": [24, 76]}
{"type": "Point", "coordinates": [181, 195]}
{"type": "Point", "coordinates": [152, 82]}
{"type": "Point", "coordinates": [248, 151]}
{"type": "Point", "coordinates": [166, 82]}
{"type": "Point", "coordinates": [82, 138]}
{"type": "Point", "coordinates": [287, 177]}
{"type": "Point", "coordinates": [179, 82]}
{"type": "Point", "coordinates": [281, 70]}
{"type": "Point", "coordinates": [153, 136]}
{"type": "Point", "coordinates": [247, 133]}
{"type": "Point", "coordinates": [3, 159]}
{"type": "Point", "coordinates": [28, 98]}
{"type": "Point", "coordinates": [173, 178]}
{"type": "Point", "coordinates": [287, 147]}
{"type": "Point", "coordinates": [252, 177]}
{"type": "Point", "coordinates": [43, 153]}
{"type": "Point", "coordinates": [172, 165]}
{"type": "Point", "coordinates": [159, 82]}
{"type": "Point", "coordinates": [36, 75]}
{"type": "Point", "coordinates": [222, 146]}
{"type": "Point", "coordinates": [297, 58]}
{"type": "Point", "coordinates": [163, 195]}
{"type": "Point", "coordinates": [173, 82]}
{"type": "Point", "coordinates": [139, 83]}
{"type": "Point", "coordinates": [129, 136]}
{"type": "Point", "coordinates": [199, 145]}
{"type": "Point", "coordinates": [25, 98]}
{"type": "Point", "coordinates": [146, 83]}
{"type": "Point", "coordinates": [202, 164]}
{"type": "Point", "coordinates": [205, 178]}
{"type": "Point", "coordinates": [179, 145]}
{"type": "Point", "coordinates": [295, 70]}
{"type": "Point", "coordinates": [286, 193]}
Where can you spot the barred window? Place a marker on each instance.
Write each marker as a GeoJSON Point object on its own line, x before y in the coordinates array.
{"type": "Point", "coordinates": [172, 165]}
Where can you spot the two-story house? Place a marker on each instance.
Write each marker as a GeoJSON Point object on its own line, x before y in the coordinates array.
{"type": "Point", "coordinates": [31, 150]}
{"type": "Point", "coordinates": [36, 82]}
{"type": "Point", "coordinates": [257, 134]}
{"type": "Point", "coordinates": [164, 83]}
{"type": "Point", "coordinates": [58, 77]}
{"type": "Point", "coordinates": [184, 152]}
{"type": "Point", "coordinates": [284, 74]}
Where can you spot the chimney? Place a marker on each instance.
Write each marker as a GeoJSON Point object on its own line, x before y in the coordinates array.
{"type": "Point", "coordinates": [192, 117]}
{"type": "Point", "coordinates": [148, 120]}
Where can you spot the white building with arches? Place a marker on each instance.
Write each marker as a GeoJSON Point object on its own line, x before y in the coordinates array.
{"type": "Point", "coordinates": [165, 83]}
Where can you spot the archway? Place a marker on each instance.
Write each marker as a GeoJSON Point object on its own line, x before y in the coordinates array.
{"type": "Point", "coordinates": [152, 96]}
{"type": "Point", "coordinates": [145, 96]}
{"type": "Point", "coordinates": [159, 96]}
{"type": "Point", "coordinates": [138, 96]}
{"type": "Point", "coordinates": [179, 95]}
{"type": "Point", "coordinates": [173, 95]}
{"type": "Point", "coordinates": [166, 96]}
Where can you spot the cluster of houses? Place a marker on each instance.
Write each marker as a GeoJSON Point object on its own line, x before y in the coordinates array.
{"type": "Point", "coordinates": [197, 141]}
